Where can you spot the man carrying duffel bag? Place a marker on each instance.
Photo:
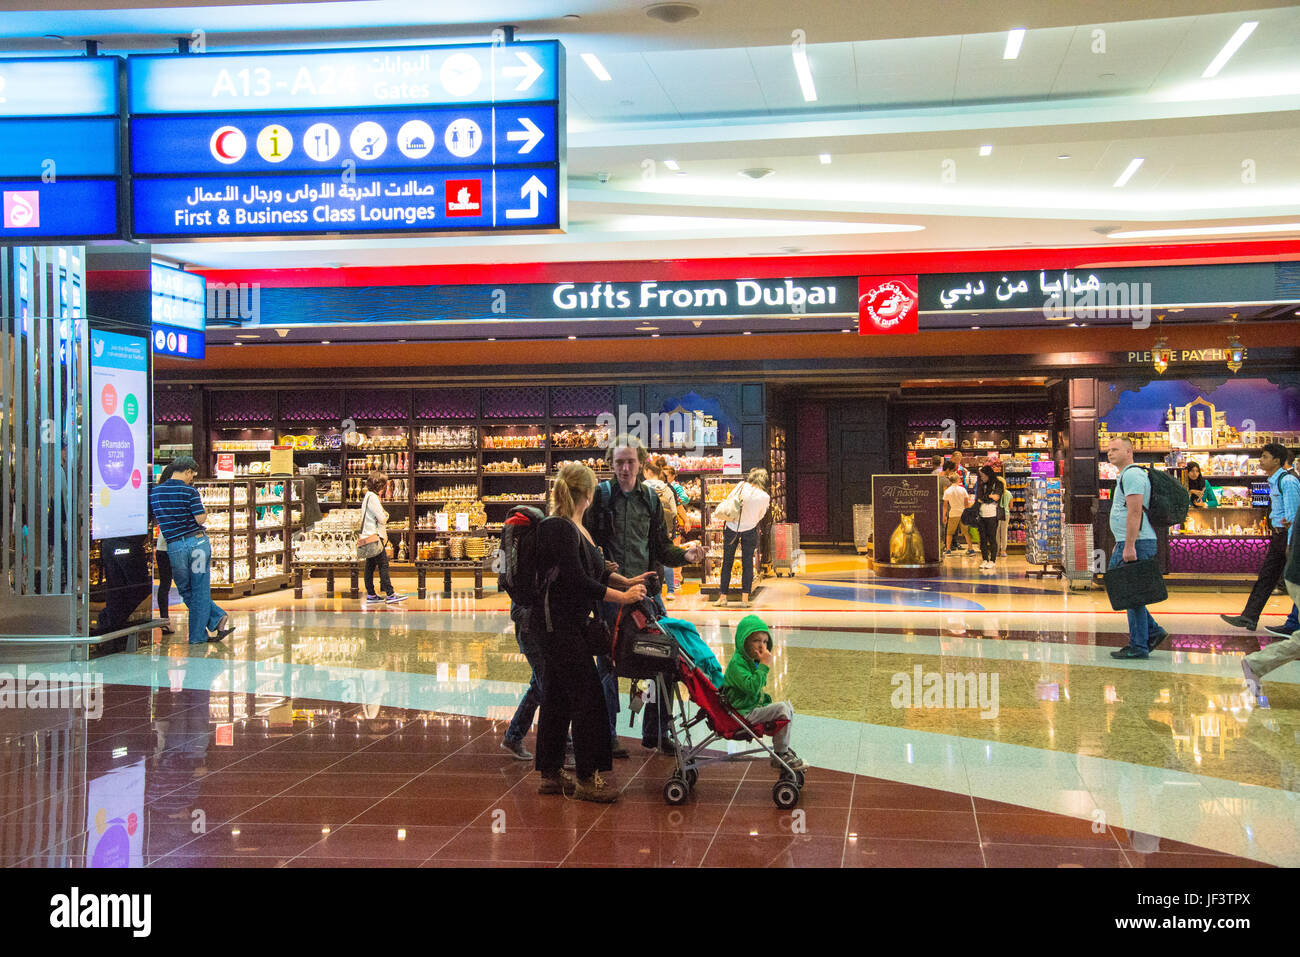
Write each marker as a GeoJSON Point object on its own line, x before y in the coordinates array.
{"type": "Point", "coordinates": [1135, 548]}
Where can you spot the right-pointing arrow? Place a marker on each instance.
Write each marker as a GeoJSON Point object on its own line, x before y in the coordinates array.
{"type": "Point", "coordinates": [530, 189]}
{"type": "Point", "coordinates": [529, 72]}
{"type": "Point", "coordinates": [531, 134]}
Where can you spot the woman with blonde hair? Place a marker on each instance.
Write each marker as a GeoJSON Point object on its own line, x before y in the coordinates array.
{"type": "Point", "coordinates": [572, 692]}
{"type": "Point", "coordinates": [374, 527]}
{"type": "Point", "coordinates": [751, 501]}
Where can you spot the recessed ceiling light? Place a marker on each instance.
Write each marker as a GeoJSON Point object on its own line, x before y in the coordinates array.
{"type": "Point", "coordinates": [1127, 175]}
{"type": "Point", "coordinates": [986, 150]}
{"type": "Point", "coordinates": [247, 337]}
{"type": "Point", "coordinates": [844, 330]}
{"type": "Point", "coordinates": [974, 327]}
{"type": "Point", "coordinates": [1229, 48]}
{"type": "Point", "coordinates": [492, 339]}
{"type": "Point", "coordinates": [804, 72]}
{"type": "Point", "coordinates": [654, 335]}
{"type": "Point", "coordinates": [746, 333]}
{"type": "Point", "coordinates": [1014, 39]}
{"type": "Point", "coordinates": [646, 328]}
{"type": "Point", "coordinates": [756, 172]}
{"type": "Point", "coordinates": [572, 16]}
{"type": "Point", "coordinates": [825, 158]}
{"type": "Point", "coordinates": [324, 342]}
{"type": "Point", "coordinates": [573, 337]}
{"type": "Point", "coordinates": [239, 343]}
{"type": "Point", "coordinates": [672, 12]}
{"type": "Point", "coordinates": [1204, 231]}
{"type": "Point", "coordinates": [1063, 156]}
{"type": "Point", "coordinates": [672, 165]}
{"type": "Point", "coordinates": [596, 67]}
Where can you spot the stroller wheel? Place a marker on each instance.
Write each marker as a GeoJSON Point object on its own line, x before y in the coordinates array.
{"type": "Point", "coordinates": [785, 794]}
{"type": "Point", "coordinates": [676, 791]}
{"type": "Point", "coordinates": [692, 775]}
{"type": "Point", "coordinates": [797, 777]}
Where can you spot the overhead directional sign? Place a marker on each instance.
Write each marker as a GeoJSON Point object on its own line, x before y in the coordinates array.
{"type": "Point", "coordinates": [410, 140]}
{"type": "Point", "coordinates": [59, 148]}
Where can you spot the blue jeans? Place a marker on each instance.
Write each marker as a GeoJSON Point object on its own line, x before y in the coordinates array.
{"type": "Point", "coordinates": [1141, 626]}
{"type": "Point", "coordinates": [191, 560]}
{"type": "Point", "coordinates": [527, 710]}
{"type": "Point", "coordinates": [1292, 623]}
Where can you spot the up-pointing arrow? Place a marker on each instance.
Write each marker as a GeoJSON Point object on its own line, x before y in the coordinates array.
{"type": "Point", "coordinates": [530, 71]}
{"type": "Point", "coordinates": [531, 133]}
{"type": "Point", "coordinates": [530, 189]}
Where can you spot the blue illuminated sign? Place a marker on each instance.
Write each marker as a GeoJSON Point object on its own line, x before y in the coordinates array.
{"type": "Point", "coordinates": [181, 343]}
{"type": "Point", "coordinates": [59, 148]}
{"type": "Point", "coordinates": [410, 140]}
{"type": "Point", "coordinates": [180, 299]}
{"type": "Point", "coordinates": [337, 79]}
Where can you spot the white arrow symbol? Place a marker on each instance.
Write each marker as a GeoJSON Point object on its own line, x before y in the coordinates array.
{"type": "Point", "coordinates": [530, 71]}
{"type": "Point", "coordinates": [529, 189]}
{"type": "Point", "coordinates": [530, 132]}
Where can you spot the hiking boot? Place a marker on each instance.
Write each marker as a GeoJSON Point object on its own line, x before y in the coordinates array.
{"type": "Point", "coordinates": [517, 749]}
{"type": "Point", "coordinates": [557, 782]}
{"type": "Point", "coordinates": [789, 757]}
{"type": "Point", "coordinates": [595, 788]}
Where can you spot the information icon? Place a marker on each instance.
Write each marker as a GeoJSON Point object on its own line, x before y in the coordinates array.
{"type": "Point", "coordinates": [369, 140]}
{"type": "Point", "coordinates": [274, 143]}
{"type": "Point", "coordinates": [415, 139]}
{"type": "Point", "coordinates": [321, 142]}
{"type": "Point", "coordinates": [463, 137]}
{"type": "Point", "coordinates": [461, 74]}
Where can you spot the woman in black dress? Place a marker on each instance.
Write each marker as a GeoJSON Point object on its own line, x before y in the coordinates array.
{"type": "Point", "coordinates": [988, 496]}
{"type": "Point", "coordinates": [572, 692]}
{"type": "Point", "coordinates": [1196, 485]}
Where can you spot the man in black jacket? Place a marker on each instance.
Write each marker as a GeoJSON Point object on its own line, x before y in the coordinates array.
{"type": "Point", "coordinates": [627, 522]}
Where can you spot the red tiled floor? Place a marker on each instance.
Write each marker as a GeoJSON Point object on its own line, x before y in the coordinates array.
{"type": "Point", "coordinates": [254, 840]}
{"type": "Point", "coordinates": [914, 825]}
{"type": "Point", "coordinates": [530, 809]}
{"type": "Point", "coordinates": [481, 843]}
{"type": "Point", "coordinates": [306, 809]}
{"type": "Point", "coordinates": [983, 806]}
{"type": "Point", "coordinates": [770, 820]}
{"type": "Point", "coordinates": [772, 851]}
{"type": "Point", "coordinates": [660, 818]}
{"type": "Point", "coordinates": [440, 785]}
{"type": "Point", "coordinates": [217, 809]}
{"type": "Point", "coordinates": [423, 812]}
{"type": "Point", "coordinates": [637, 848]}
{"type": "Point", "coordinates": [1208, 859]}
{"type": "Point", "coordinates": [265, 783]}
{"type": "Point", "coordinates": [336, 784]}
{"type": "Point", "coordinates": [814, 794]}
{"type": "Point", "coordinates": [373, 762]}
{"type": "Point", "coordinates": [405, 846]}
{"type": "Point", "coordinates": [880, 852]}
{"type": "Point", "coordinates": [877, 793]}
{"type": "Point", "coordinates": [171, 861]}
{"type": "Point", "coordinates": [1041, 829]}
{"type": "Point", "coordinates": [1027, 855]}
{"type": "Point", "coordinates": [270, 760]}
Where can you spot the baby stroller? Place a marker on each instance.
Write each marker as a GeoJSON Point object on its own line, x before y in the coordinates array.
{"type": "Point", "coordinates": [644, 649]}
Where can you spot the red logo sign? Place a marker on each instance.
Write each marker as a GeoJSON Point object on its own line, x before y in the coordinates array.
{"type": "Point", "coordinates": [464, 197]}
{"type": "Point", "coordinates": [887, 305]}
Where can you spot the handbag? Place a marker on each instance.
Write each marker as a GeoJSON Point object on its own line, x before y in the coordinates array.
{"type": "Point", "coordinates": [729, 508]}
{"type": "Point", "coordinates": [1133, 584]}
{"type": "Point", "coordinates": [971, 515]}
{"type": "Point", "coordinates": [370, 545]}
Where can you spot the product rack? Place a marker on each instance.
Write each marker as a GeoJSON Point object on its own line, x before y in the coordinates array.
{"type": "Point", "coordinates": [239, 543]}
{"type": "Point", "coordinates": [1045, 513]}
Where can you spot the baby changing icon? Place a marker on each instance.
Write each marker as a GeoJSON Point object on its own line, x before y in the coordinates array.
{"type": "Point", "coordinates": [22, 209]}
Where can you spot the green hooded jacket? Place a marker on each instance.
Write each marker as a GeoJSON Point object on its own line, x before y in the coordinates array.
{"type": "Point", "coordinates": [744, 679]}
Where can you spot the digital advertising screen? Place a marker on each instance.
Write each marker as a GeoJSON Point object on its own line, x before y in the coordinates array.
{"type": "Point", "coordinates": [119, 383]}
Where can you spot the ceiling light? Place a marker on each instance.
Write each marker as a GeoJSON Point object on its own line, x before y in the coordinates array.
{"type": "Point", "coordinates": [646, 328]}
{"type": "Point", "coordinates": [573, 337]}
{"type": "Point", "coordinates": [804, 72]}
{"type": "Point", "coordinates": [672, 165]}
{"type": "Point", "coordinates": [1229, 48]}
{"type": "Point", "coordinates": [746, 333]}
{"type": "Point", "coordinates": [1014, 39]}
{"type": "Point", "coordinates": [756, 172]}
{"type": "Point", "coordinates": [986, 150]}
{"type": "Point", "coordinates": [596, 67]}
{"type": "Point", "coordinates": [672, 12]}
{"type": "Point", "coordinates": [1204, 231]}
{"type": "Point", "coordinates": [973, 328]}
{"type": "Point", "coordinates": [1161, 355]}
{"type": "Point", "coordinates": [247, 337]}
{"type": "Point", "coordinates": [1236, 354]}
{"type": "Point", "coordinates": [1127, 175]}
{"type": "Point", "coordinates": [239, 343]}
{"type": "Point", "coordinates": [844, 330]}
{"type": "Point", "coordinates": [1063, 156]}
{"type": "Point", "coordinates": [825, 158]}
{"type": "Point", "coordinates": [324, 342]}
{"type": "Point", "coordinates": [654, 335]}
{"type": "Point", "coordinates": [492, 339]}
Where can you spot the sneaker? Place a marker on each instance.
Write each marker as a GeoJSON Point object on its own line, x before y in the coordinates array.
{"type": "Point", "coordinates": [1240, 621]}
{"type": "Point", "coordinates": [557, 782]}
{"type": "Point", "coordinates": [1275, 632]}
{"type": "Point", "coordinates": [1155, 642]}
{"type": "Point", "coordinates": [595, 788]}
{"type": "Point", "coordinates": [517, 749]}
{"type": "Point", "coordinates": [1128, 651]}
{"type": "Point", "coordinates": [1252, 679]}
{"type": "Point", "coordinates": [395, 599]}
{"type": "Point", "coordinates": [371, 599]}
{"type": "Point", "coordinates": [618, 751]}
{"type": "Point", "coordinates": [670, 598]}
{"type": "Point", "coordinates": [789, 757]}
{"type": "Point", "coordinates": [166, 627]}
{"type": "Point", "coordinates": [720, 601]}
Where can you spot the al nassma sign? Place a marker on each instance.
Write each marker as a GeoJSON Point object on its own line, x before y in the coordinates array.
{"type": "Point", "coordinates": [888, 305]}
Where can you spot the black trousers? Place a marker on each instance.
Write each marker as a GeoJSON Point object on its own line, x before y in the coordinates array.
{"type": "Point", "coordinates": [989, 538]}
{"type": "Point", "coordinates": [379, 561]}
{"type": "Point", "coordinates": [164, 564]}
{"type": "Point", "coordinates": [1270, 573]}
{"type": "Point", "coordinates": [572, 694]}
{"type": "Point", "coordinates": [748, 541]}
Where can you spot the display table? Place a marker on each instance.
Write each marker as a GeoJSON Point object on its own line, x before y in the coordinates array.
{"type": "Point", "coordinates": [330, 569]}
{"type": "Point", "coordinates": [449, 565]}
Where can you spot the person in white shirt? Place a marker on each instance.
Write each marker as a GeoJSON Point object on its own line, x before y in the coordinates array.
{"type": "Point", "coordinates": [374, 523]}
{"type": "Point", "coordinates": [955, 501]}
{"type": "Point", "coordinates": [752, 498]}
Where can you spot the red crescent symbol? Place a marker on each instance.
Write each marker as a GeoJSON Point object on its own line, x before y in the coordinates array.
{"type": "Point", "coordinates": [219, 145]}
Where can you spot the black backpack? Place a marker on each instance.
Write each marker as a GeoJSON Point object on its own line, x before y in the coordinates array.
{"type": "Point", "coordinates": [518, 573]}
{"type": "Point", "coordinates": [1170, 500]}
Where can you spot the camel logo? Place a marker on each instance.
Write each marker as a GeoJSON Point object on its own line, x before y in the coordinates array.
{"type": "Point", "coordinates": [22, 209]}
{"type": "Point", "coordinates": [887, 305]}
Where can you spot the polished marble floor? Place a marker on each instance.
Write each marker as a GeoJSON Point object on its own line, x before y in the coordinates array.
{"type": "Point", "coordinates": [325, 734]}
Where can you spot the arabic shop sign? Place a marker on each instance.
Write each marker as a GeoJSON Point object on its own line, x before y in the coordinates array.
{"type": "Point", "coordinates": [416, 140]}
{"type": "Point", "coordinates": [1059, 293]}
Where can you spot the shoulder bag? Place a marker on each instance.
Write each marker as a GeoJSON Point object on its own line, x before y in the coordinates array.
{"type": "Point", "coordinates": [368, 546]}
{"type": "Point", "coordinates": [729, 509]}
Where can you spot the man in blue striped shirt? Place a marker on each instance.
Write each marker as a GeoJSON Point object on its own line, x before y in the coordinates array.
{"type": "Point", "coordinates": [1284, 497]}
{"type": "Point", "coordinates": [179, 512]}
